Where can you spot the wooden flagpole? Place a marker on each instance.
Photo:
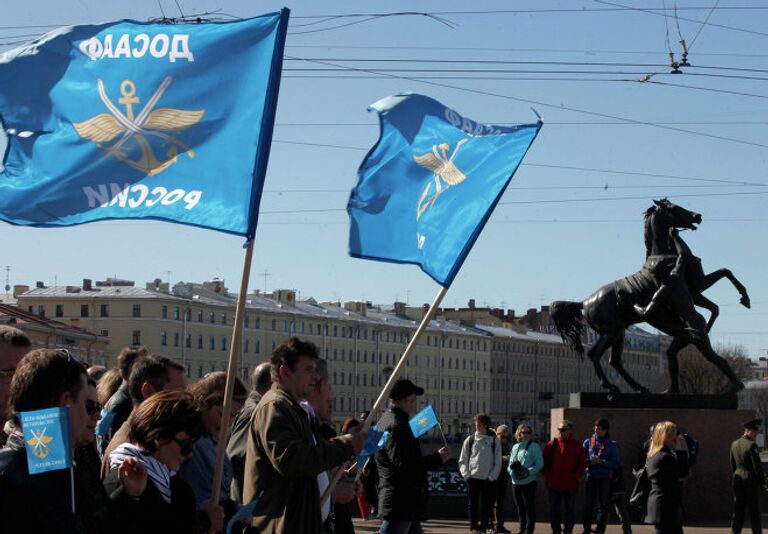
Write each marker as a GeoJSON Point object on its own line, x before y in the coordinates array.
{"type": "Point", "coordinates": [234, 352]}
{"type": "Point", "coordinates": [388, 386]}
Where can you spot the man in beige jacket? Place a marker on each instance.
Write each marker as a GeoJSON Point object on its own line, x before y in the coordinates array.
{"type": "Point", "coordinates": [282, 458]}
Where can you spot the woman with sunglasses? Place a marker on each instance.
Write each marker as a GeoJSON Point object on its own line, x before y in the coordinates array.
{"type": "Point", "coordinates": [161, 433]}
{"type": "Point", "coordinates": [525, 462]}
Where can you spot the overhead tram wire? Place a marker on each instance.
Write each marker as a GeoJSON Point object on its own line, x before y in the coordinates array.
{"type": "Point", "coordinates": [567, 167]}
{"type": "Point", "coordinates": [566, 108]}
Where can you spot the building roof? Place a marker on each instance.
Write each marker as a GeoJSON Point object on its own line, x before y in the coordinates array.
{"type": "Point", "coordinates": [16, 316]}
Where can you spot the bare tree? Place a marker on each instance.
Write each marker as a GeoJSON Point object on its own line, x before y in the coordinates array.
{"type": "Point", "coordinates": [698, 376]}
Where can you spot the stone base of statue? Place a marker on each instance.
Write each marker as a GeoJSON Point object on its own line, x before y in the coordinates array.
{"type": "Point", "coordinates": [714, 421]}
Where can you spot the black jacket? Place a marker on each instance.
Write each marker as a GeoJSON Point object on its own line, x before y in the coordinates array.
{"type": "Point", "coordinates": [402, 470]}
{"type": "Point", "coordinates": [33, 503]}
{"type": "Point", "coordinates": [150, 514]}
{"type": "Point", "coordinates": [95, 510]}
{"type": "Point", "coordinates": [121, 405]}
{"type": "Point", "coordinates": [665, 501]}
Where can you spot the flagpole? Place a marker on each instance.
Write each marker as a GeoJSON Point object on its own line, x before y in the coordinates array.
{"type": "Point", "coordinates": [391, 382]}
{"type": "Point", "coordinates": [234, 351]}
{"type": "Point", "coordinates": [440, 426]}
{"type": "Point", "coordinates": [72, 486]}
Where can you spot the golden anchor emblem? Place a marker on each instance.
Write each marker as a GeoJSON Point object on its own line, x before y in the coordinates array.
{"type": "Point", "coordinates": [39, 443]}
{"type": "Point", "coordinates": [149, 123]}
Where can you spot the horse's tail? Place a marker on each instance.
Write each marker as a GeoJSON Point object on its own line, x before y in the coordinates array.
{"type": "Point", "coordinates": [569, 322]}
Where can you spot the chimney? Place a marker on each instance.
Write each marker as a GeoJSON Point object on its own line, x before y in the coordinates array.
{"type": "Point", "coordinates": [39, 285]}
{"type": "Point", "coordinates": [400, 309]}
{"type": "Point", "coordinates": [19, 290]}
{"type": "Point", "coordinates": [87, 284]}
{"type": "Point", "coordinates": [471, 304]}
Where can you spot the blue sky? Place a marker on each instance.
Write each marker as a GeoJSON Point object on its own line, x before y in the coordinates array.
{"type": "Point", "coordinates": [572, 217]}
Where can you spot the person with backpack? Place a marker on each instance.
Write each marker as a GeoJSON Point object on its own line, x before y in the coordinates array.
{"type": "Point", "coordinates": [564, 464]}
{"type": "Point", "coordinates": [602, 457]}
{"type": "Point", "coordinates": [525, 462]}
{"type": "Point", "coordinates": [480, 465]}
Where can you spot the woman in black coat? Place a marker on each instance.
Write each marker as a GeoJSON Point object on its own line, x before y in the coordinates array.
{"type": "Point", "coordinates": [667, 465]}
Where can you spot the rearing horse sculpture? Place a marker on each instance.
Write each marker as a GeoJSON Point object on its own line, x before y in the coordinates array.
{"type": "Point", "coordinates": [611, 309]}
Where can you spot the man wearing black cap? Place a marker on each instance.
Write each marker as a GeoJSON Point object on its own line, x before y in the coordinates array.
{"type": "Point", "coordinates": [747, 478]}
{"type": "Point", "coordinates": [402, 468]}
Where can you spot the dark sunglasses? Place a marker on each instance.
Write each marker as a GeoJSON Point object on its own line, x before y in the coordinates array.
{"type": "Point", "coordinates": [186, 446]}
{"type": "Point", "coordinates": [92, 407]}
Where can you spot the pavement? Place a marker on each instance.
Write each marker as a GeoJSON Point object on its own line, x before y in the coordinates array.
{"type": "Point", "coordinates": [456, 526]}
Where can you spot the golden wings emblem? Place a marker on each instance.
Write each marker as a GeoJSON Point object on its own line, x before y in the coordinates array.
{"type": "Point", "coordinates": [40, 443]}
{"type": "Point", "coordinates": [444, 171]}
{"type": "Point", "coordinates": [150, 123]}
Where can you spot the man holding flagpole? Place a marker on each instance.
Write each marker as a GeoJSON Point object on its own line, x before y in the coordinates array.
{"type": "Point", "coordinates": [402, 468]}
{"type": "Point", "coordinates": [284, 458]}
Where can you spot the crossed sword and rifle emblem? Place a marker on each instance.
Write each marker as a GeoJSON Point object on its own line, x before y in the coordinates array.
{"type": "Point", "coordinates": [40, 443]}
{"type": "Point", "coordinates": [150, 122]}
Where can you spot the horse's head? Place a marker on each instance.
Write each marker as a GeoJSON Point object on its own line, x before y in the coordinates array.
{"type": "Point", "coordinates": [662, 216]}
{"type": "Point", "coordinates": [675, 216]}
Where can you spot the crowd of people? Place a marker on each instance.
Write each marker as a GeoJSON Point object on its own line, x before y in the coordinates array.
{"type": "Point", "coordinates": [145, 444]}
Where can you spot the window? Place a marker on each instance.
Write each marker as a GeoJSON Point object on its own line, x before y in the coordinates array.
{"type": "Point", "coordinates": [199, 316]}
{"type": "Point", "coordinates": [257, 348]}
{"type": "Point", "coordinates": [224, 318]}
{"type": "Point", "coordinates": [175, 339]}
{"type": "Point", "coordinates": [137, 310]}
{"type": "Point", "coordinates": [136, 337]}
{"type": "Point", "coordinates": [258, 323]}
{"type": "Point", "coordinates": [200, 342]}
{"type": "Point", "coordinates": [187, 314]}
{"type": "Point", "coordinates": [274, 324]}
{"type": "Point", "coordinates": [176, 313]}
{"type": "Point", "coordinates": [164, 312]}
{"type": "Point", "coordinates": [31, 309]}
{"type": "Point", "coordinates": [83, 310]}
{"type": "Point", "coordinates": [188, 341]}
{"type": "Point", "coordinates": [59, 310]}
{"type": "Point", "coordinates": [246, 346]}
{"type": "Point", "coordinates": [212, 343]}
{"type": "Point", "coordinates": [247, 321]}
{"type": "Point", "coordinates": [212, 318]}
{"type": "Point", "coordinates": [163, 337]}
{"type": "Point", "coordinates": [104, 310]}
{"type": "Point", "coordinates": [41, 310]}
{"type": "Point", "coordinates": [223, 343]}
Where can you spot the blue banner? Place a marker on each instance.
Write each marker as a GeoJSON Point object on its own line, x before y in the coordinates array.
{"type": "Point", "coordinates": [429, 185]}
{"type": "Point", "coordinates": [129, 120]}
{"type": "Point", "coordinates": [423, 421]}
{"type": "Point", "coordinates": [373, 444]}
{"type": "Point", "coordinates": [47, 438]}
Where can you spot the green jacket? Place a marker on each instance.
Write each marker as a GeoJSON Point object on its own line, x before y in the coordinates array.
{"type": "Point", "coordinates": [745, 462]}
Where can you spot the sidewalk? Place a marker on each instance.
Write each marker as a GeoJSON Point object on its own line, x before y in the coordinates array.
{"type": "Point", "coordinates": [452, 526]}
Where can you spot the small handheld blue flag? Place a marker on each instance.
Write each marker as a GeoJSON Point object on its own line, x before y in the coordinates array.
{"type": "Point", "coordinates": [429, 185]}
{"type": "Point", "coordinates": [102, 427]}
{"type": "Point", "coordinates": [375, 442]}
{"type": "Point", "coordinates": [423, 421]}
{"type": "Point", "coordinates": [132, 120]}
{"type": "Point", "coordinates": [242, 514]}
{"type": "Point", "coordinates": [47, 439]}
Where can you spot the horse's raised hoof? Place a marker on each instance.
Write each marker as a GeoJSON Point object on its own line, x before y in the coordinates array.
{"type": "Point", "coordinates": [745, 301]}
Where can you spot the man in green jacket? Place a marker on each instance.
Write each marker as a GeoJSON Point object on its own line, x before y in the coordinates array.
{"type": "Point", "coordinates": [748, 478]}
{"type": "Point", "coordinates": [282, 459]}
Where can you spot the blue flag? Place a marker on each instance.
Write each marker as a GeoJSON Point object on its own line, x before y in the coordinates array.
{"type": "Point", "coordinates": [102, 427]}
{"type": "Point", "coordinates": [128, 120]}
{"type": "Point", "coordinates": [429, 185]}
{"type": "Point", "coordinates": [48, 440]}
{"type": "Point", "coordinates": [242, 514]}
{"type": "Point", "coordinates": [423, 421]}
{"type": "Point", "coordinates": [373, 444]}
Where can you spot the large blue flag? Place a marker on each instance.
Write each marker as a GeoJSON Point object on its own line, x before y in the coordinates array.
{"type": "Point", "coordinates": [423, 421]}
{"type": "Point", "coordinates": [129, 120]}
{"type": "Point", "coordinates": [429, 185]}
{"type": "Point", "coordinates": [47, 438]}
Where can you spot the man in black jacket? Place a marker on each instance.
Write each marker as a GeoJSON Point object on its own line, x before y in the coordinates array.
{"type": "Point", "coordinates": [402, 468]}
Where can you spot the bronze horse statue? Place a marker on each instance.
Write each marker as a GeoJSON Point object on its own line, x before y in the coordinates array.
{"type": "Point", "coordinates": [614, 307]}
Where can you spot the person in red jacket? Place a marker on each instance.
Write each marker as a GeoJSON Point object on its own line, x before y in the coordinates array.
{"type": "Point", "coordinates": [564, 465]}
